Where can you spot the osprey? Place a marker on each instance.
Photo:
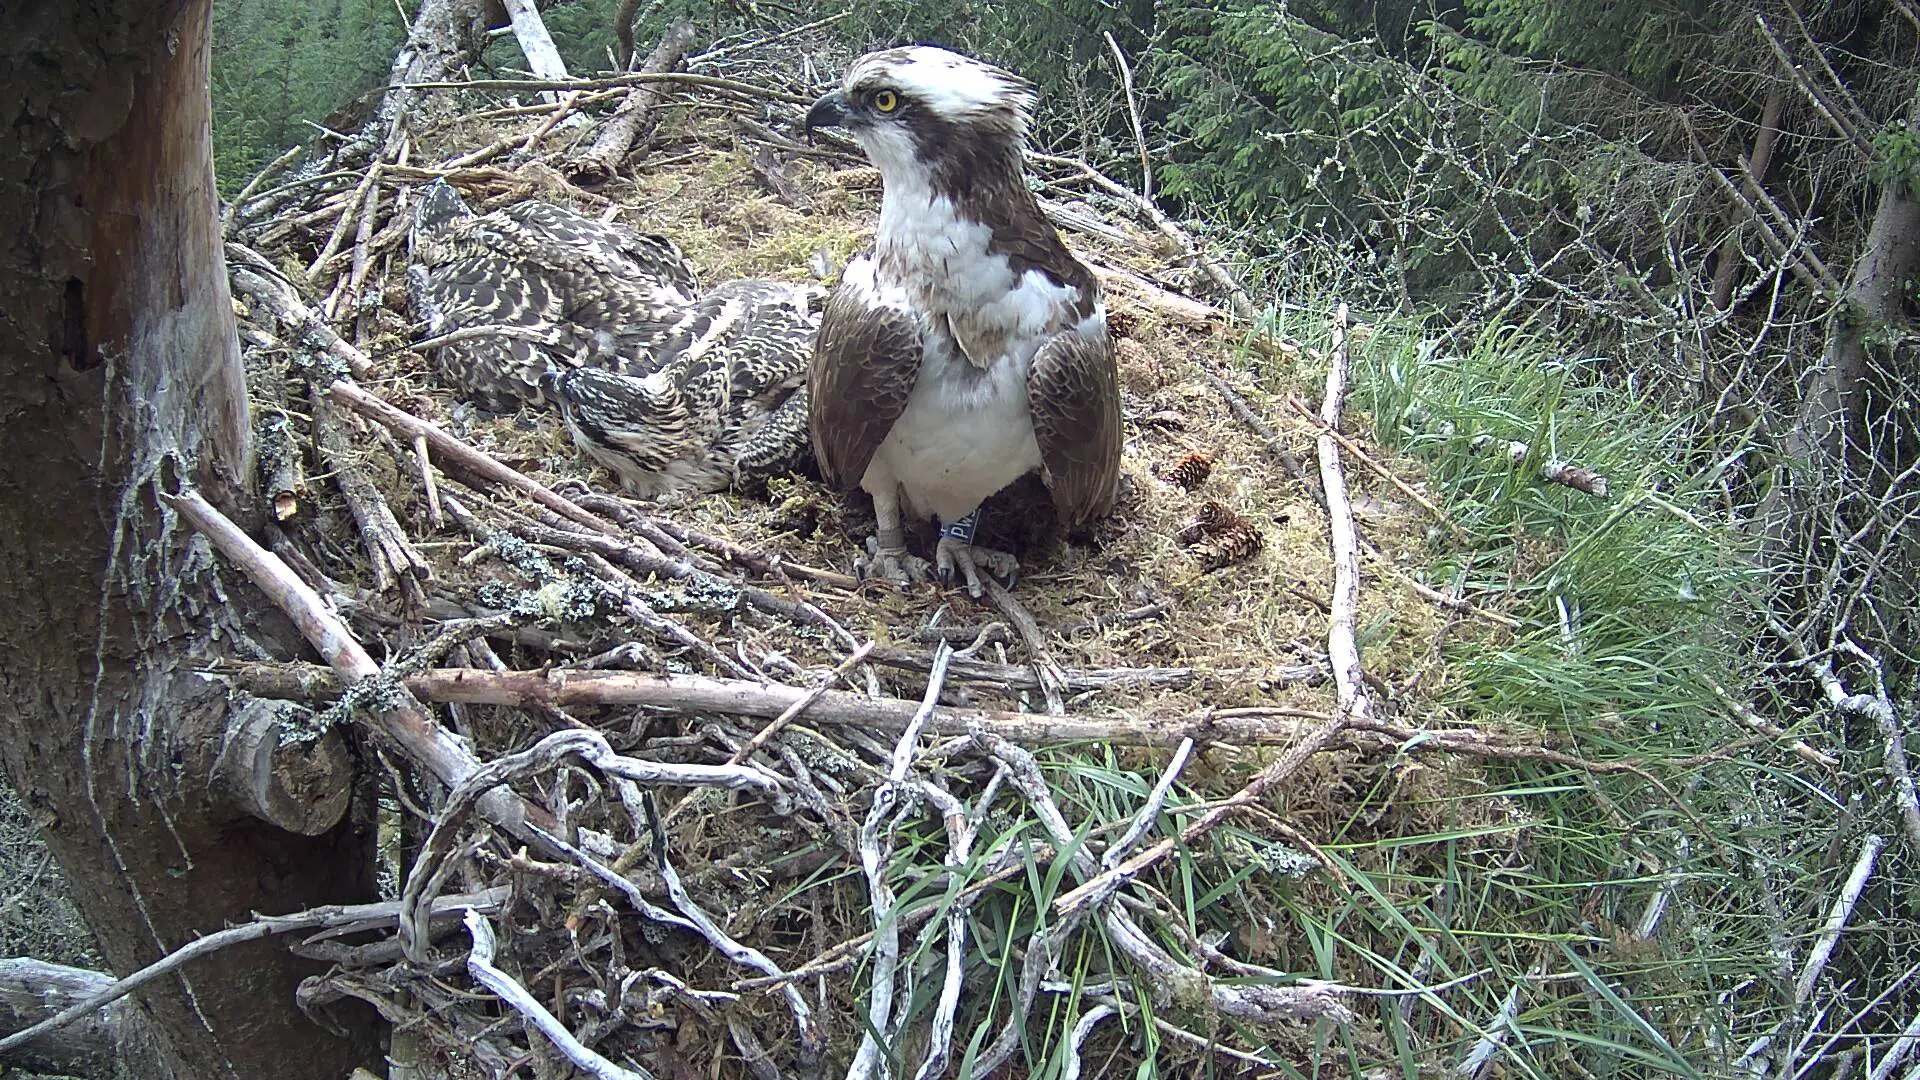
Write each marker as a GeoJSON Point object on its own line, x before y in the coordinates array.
{"type": "Point", "coordinates": [587, 290]}
{"type": "Point", "coordinates": [724, 400]}
{"type": "Point", "coordinates": [969, 347]}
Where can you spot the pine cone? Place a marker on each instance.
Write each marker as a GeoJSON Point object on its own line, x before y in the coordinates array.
{"type": "Point", "coordinates": [1190, 471]}
{"type": "Point", "coordinates": [1211, 519]}
{"type": "Point", "coordinates": [1238, 542]}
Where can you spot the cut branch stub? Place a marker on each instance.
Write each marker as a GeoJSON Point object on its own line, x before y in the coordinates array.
{"type": "Point", "coordinates": [301, 785]}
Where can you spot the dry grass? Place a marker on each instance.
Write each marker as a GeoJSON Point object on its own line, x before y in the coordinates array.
{"type": "Point", "coordinates": [1240, 619]}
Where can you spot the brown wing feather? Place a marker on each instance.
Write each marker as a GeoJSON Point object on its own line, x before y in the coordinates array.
{"type": "Point", "coordinates": [865, 361]}
{"type": "Point", "coordinates": [1074, 394]}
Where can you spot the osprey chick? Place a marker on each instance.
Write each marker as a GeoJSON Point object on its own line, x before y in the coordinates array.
{"type": "Point", "coordinates": [723, 400]}
{"type": "Point", "coordinates": [970, 347]}
{"type": "Point", "coordinates": [594, 290]}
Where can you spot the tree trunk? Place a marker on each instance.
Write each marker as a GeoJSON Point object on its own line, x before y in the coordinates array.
{"type": "Point", "coordinates": [1845, 423]}
{"type": "Point", "coordinates": [119, 378]}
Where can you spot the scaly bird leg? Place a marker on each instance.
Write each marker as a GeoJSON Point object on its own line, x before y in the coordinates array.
{"type": "Point", "coordinates": [889, 545]}
{"type": "Point", "coordinates": [956, 551]}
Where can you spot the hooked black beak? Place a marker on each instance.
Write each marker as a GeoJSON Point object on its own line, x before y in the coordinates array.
{"type": "Point", "coordinates": [829, 111]}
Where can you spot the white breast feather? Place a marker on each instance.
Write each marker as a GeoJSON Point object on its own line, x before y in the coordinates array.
{"type": "Point", "coordinates": [967, 431]}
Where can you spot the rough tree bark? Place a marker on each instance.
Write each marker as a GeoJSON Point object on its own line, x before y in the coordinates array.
{"type": "Point", "coordinates": [600, 162]}
{"type": "Point", "coordinates": [120, 376]}
{"type": "Point", "coordinates": [1838, 426]}
{"type": "Point", "coordinates": [444, 35]}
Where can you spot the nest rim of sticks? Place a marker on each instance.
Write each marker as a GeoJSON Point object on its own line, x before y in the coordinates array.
{"type": "Point", "coordinates": [1142, 626]}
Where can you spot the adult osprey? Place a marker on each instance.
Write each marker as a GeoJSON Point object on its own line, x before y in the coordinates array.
{"type": "Point", "coordinates": [970, 347]}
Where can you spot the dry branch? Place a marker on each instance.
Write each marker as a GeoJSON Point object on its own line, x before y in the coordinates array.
{"type": "Point", "coordinates": [480, 966]}
{"type": "Point", "coordinates": [1237, 298]}
{"type": "Point", "coordinates": [395, 718]}
{"type": "Point", "coordinates": [395, 562]}
{"type": "Point", "coordinates": [1343, 655]}
{"type": "Point", "coordinates": [263, 926]}
{"type": "Point", "coordinates": [93, 1044]}
{"type": "Point", "coordinates": [600, 162]}
{"type": "Point", "coordinates": [253, 276]}
{"type": "Point", "coordinates": [695, 694]}
{"type": "Point", "coordinates": [1246, 415]}
{"type": "Point", "coordinates": [543, 57]}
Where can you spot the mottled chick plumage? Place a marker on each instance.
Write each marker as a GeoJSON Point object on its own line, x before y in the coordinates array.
{"type": "Point", "coordinates": [723, 400]}
{"type": "Point", "coordinates": [591, 292]}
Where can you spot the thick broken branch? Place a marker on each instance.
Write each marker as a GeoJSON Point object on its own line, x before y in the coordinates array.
{"type": "Point", "coordinates": [393, 717]}
{"type": "Point", "coordinates": [573, 688]}
{"type": "Point", "coordinates": [600, 162]}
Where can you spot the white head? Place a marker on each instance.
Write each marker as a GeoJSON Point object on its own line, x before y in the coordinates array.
{"type": "Point", "coordinates": [914, 109]}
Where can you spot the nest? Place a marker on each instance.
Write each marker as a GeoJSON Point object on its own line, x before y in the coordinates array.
{"type": "Point", "coordinates": [757, 797]}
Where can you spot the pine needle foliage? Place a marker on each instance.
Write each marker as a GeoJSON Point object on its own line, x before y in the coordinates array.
{"type": "Point", "coordinates": [279, 67]}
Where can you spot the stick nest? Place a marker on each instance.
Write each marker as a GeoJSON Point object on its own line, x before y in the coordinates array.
{"type": "Point", "coordinates": [636, 929]}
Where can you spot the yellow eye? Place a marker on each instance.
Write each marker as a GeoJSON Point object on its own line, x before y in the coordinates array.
{"type": "Point", "coordinates": [886, 100]}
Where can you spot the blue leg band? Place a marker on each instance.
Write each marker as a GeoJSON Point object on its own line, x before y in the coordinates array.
{"type": "Point", "coordinates": [963, 529]}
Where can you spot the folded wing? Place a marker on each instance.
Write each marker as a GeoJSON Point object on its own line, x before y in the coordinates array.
{"type": "Point", "coordinates": [1074, 395]}
{"type": "Point", "coordinates": [865, 362]}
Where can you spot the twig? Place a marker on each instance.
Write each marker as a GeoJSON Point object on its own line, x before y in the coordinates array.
{"type": "Point", "coordinates": [395, 562]}
{"type": "Point", "coordinates": [771, 39]}
{"type": "Point", "coordinates": [1236, 296]}
{"type": "Point", "coordinates": [430, 489]}
{"type": "Point", "coordinates": [1747, 715]}
{"type": "Point", "coordinates": [875, 836]}
{"type": "Point", "coordinates": [480, 966]}
{"type": "Point", "coordinates": [1577, 477]}
{"type": "Point", "coordinates": [262, 926]}
{"type": "Point", "coordinates": [1133, 114]}
{"type": "Point", "coordinates": [1343, 652]}
{"type": "Point", "coordinates": [590, 747]}
{"type": "Point", "coordinates": [1837, 917]}
{"type": "Point", "coordinates": [1877, 707]}
{"type": "Point", "coordinates": [1359, 454]}
{"type": "Point", "coordinates": [961, 828]}
{"type": "Point", "coordinates": [812, 1040]}
{"type": "Point", "coordinates": [1835, 115]}
{"type": "Point", "coordinates": [1897, 1054]}
{"type": "Point", "coordinates": [1150, 810]}
{"type": "Point", "coordinates": [1245, 414]}
{"type": "Point", "coordinates": [455, 453]}
{"type": "Point", "coordinates": [1052, 683]}
{"type": "Point", "coordinates": [1428, 592]}
{"type": "Point", "coordinates": [253, 185]}
{"type": "Point", "coordinates": [793, 711]}
{"type": "Point", "coordinates": [471, 333]}
{"type": "Point", "coordinates": [638, 78]}
{"type": "Point", "coordinates": [773, 727]}
{"type": "Point", "coordinates": [1308, 999]}
{"type": "Point", "coordinates": [349, 216]}
{"type": "Point", "coordinates": [1085, 1025]}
